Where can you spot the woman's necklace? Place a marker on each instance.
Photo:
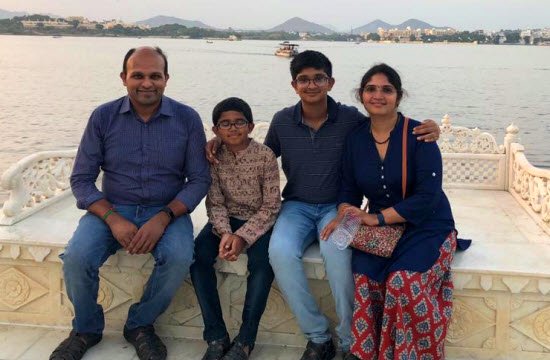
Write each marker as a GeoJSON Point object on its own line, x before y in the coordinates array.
{"type": "Point", "coordinates": [379, 142]}
{"type": "Point", "coordinates": [389, 136]}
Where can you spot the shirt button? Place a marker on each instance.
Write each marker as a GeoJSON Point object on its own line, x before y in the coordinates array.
{"type": "Point", "coordinates": [383, 186]}
{"type": "Point", "coordinates": [381, 167]}
{"type": "Point", "coordinates": [387, 195]}
{"type": "Point", "coordinates": [382, 176]}
{"type": "Point", "coordinates": [433, 174]}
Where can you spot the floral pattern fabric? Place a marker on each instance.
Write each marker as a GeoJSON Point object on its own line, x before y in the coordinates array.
{"type": "Point", "coordinates": [407, 316]}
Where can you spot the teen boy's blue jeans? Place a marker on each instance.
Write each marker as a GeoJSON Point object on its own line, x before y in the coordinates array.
{"type": "Point", "coordinates": [258, 284]}
{"type": "Point", "coordinates": [297, 227]}
{"type": "Point", "coordinates": [92, 243]}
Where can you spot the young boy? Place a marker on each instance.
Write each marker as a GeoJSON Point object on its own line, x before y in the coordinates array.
{"type": "Point", "coordinates": [242, 205]}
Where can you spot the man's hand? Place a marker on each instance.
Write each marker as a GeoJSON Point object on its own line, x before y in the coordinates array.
{"type": "Point", "coordinates": [231, 246]}
{"type": "Point", "coordinates": [429, 131]}
{"type": "Point", "coordinates": [123, 230]}
{"type": "Point", "coordinates": [149, 234]}
{"type": "Point", "coordinates": [211, 147]}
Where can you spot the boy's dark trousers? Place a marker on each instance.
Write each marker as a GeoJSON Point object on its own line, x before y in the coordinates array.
{"type": "Point", "coordinates": [204, 280]}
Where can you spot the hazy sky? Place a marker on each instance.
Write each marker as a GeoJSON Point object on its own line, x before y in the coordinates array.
{"type": "Point", "coordinates": [343, 14]}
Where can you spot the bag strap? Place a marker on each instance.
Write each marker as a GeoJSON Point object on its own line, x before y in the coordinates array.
{"type": "Point", "coordinates": [404, 156]}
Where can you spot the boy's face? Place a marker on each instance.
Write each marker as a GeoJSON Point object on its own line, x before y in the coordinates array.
{"type": "Point", "coordinates": [233, 128]}
{"type": "Point", "coordinates": [312, 85]}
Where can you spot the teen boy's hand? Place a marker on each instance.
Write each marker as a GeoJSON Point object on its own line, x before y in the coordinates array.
{"type": "Point", "coordinates": [231, 246]}
{"type": "Point", "coordinates": [211, 147]}
{"type": "Point", "coordinates": [429, 131]}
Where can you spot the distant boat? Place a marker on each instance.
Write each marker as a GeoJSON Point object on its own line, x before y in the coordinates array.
{"type": "Point", "coordinates": [209, 42]}
{"type": "Point", "coordinates": [287, 49]}
{"type": "Point", "coordinates": [56, 36]}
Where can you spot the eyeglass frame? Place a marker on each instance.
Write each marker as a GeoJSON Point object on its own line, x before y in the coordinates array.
{"type": "Point", "coordinates": [325, 80]}
{"type": "Point", "coordinates": [231, 124]}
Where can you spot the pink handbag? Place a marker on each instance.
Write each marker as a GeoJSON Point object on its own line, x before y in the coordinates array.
{"type": "Point", "coordinates": [382, 240]}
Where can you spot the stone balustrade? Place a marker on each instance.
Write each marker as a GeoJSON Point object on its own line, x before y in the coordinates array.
{"type": "Point", "coordinates": [502, 283]}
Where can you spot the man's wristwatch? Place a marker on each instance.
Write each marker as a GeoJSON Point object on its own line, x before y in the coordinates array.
{"type": "Point", "coordinates": [168, 212]}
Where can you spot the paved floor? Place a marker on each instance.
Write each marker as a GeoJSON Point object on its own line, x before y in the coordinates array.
{"type": "Point", "coordinates": [35, 343]}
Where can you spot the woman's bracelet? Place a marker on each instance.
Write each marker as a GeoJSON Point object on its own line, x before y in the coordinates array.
{"type": "Point", "coordinates": [381, 220]}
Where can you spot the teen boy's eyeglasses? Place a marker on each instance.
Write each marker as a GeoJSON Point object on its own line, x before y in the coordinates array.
{"type": "Point", "coordinates": [386, 89]}
{"type": "Point", "coordinates": [226, 124]}
{"type": "Point", "coordinates": [318, 80]}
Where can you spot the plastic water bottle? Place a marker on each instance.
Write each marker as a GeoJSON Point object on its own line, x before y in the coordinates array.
{"type": "Point", "coordinates": [346, 230]}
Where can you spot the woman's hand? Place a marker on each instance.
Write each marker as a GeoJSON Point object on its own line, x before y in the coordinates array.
{"type": "Point", "coordinates": [329, 228]}
{"type": "Point", "coordinates": [367, 219]}
{"type": "Point", "coordinates": [325, 233]}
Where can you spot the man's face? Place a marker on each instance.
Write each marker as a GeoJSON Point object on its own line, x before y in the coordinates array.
{"type": "Point", "coordinates": [312, 85]}
{"type": "Point", "coordinates": [233, 128]}
{"type": "Point", "coordinates": [145, 79]}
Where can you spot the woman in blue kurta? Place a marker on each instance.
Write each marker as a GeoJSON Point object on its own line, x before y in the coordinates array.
{"type": "Point", "coordinates": [403, 303]}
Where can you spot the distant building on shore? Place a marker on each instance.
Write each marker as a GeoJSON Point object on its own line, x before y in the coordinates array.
{"type": "Point", "coordinates": [440, 32]}
{"type": "Point", "coordinates": [399, 35]}
{"type": "Point", "coordinates": [53, 23]}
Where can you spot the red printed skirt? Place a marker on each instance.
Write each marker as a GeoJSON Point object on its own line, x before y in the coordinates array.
{"type": "Point", "coordinates": [407, 315]}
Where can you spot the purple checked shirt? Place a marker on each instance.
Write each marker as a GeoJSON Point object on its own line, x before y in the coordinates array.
{"type": "Point", "coordinates": [144, 163]}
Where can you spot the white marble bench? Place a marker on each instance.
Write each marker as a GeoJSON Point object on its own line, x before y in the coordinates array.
{"type": "Point", "coordinates": [502, 299]}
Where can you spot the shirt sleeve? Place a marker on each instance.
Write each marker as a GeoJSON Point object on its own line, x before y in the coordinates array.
{"type": "Point", "coordinates": [428, 178]}
{"type": "Point", "coordinates": [349, 190]}
{"type": "Point", "coordinates": [88, 161]}
{"type": "Point", "coordinates": [272, 140]}
{"type": "Point", "coordinates": [196, 167]}
{"type": "Point", "coordinates": [215, 205]}
{"type": "Point", "coordinates": [265, 217]}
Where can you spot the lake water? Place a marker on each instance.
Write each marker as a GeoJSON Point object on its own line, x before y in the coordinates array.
{"type": "Point", "coordinates": [48, 87]}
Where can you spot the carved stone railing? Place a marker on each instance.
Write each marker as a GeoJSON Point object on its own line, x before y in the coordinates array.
{"type": "Point", "coordinates": [458, 139]}
{"type": "Point", "coordinates": [530, 186]}
{"type": "Point", "coordinates": [471, 158]}
{"type": "Point", "coordinates": [34, 182]}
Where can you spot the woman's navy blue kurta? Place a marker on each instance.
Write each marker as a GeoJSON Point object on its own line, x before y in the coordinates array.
{"type": "Point", "coordinates": [426, 207]}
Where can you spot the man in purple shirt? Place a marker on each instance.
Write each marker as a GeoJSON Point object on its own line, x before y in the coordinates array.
{"type": "Point", "coordinates": [151, 151]}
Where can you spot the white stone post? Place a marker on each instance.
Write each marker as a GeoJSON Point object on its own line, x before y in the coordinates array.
{"type": "Point", "coordinates": [511, 136]}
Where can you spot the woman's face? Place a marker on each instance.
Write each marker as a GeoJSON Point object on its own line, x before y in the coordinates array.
{"type": "Point", "coordinates": [379, 96]}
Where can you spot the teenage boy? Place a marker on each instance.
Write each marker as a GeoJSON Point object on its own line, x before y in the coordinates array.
{"type": "Point", "coordinates": [309, 137]}
{"type": "Point", "coordinates": [242, 205]}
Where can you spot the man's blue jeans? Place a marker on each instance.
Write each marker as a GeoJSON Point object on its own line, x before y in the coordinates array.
{"type": "Point", "coordinates": [297, 227]}
{"type": "Point", "coordinates": [92, 244]}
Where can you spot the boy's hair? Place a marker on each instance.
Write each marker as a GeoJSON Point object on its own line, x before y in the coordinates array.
{"type": "Point", "coordinates": [310, 59]}
{"type": "Point", "coordinates": [232, 104]}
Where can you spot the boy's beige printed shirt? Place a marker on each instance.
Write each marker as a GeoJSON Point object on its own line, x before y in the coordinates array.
{"type": "Point", "coordinates": [244, 186]}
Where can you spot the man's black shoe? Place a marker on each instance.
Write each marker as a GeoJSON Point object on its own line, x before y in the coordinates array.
{"type": "Point", "coordinates": [238, 352]}
{"type": "Point", "coordinates": [217, 349]}
{"type": "Point", "coordinates": [350, 356]}
{"type": "Point", "coordinates": [74, 347]}
{"type": "Point", "coordinates": [147, 344]}
{"type": "Point", "coordinates": [324, 351]}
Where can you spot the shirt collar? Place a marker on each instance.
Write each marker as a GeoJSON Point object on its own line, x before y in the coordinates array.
{"type": "Point", "coordinates": [332, 110]}
{"type": "Point", "coordinates": [241, 153]}
{"type": "Point", "coordinates": [165, 106]}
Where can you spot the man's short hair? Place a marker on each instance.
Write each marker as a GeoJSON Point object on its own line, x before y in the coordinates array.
{"type": "Point", "coordinates": [310, 59]}
{"type": "Point", "coordinates": [232, 104]}
{"type": "Point", "coordinates": [133, 50]}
